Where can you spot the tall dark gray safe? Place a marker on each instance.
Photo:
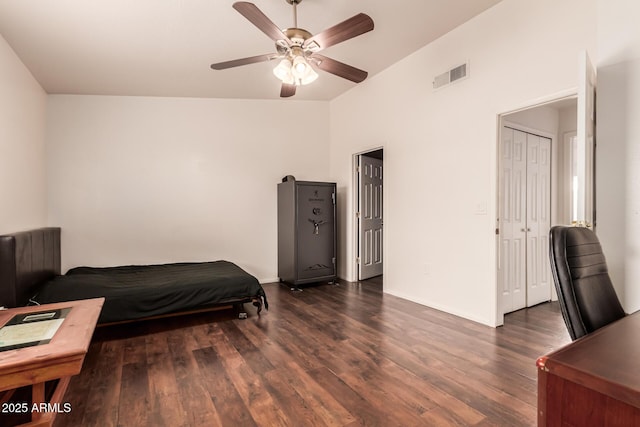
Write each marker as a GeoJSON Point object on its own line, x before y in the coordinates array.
{"type": "Point", "coordinates": [306, 231]}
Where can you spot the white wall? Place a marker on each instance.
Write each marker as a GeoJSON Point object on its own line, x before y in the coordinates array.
{"type": "Point", "coordinates": [440, 147]}
{"type": "Point", "coordinates": [22, 160]}
{"type": "Point", "coordinates": [151, 180]}
{"type": "Point", "coordinates": [618, 145]}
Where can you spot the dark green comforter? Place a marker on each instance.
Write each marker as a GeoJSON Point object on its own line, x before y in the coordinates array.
{"type": "Point", "coordinates": [134, 292]}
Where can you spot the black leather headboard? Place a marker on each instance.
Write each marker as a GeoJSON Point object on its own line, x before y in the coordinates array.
{"type": "Point", "coordinates": [27, 259]}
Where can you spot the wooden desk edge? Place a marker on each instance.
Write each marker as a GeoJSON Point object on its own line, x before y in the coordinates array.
{"type": "Point", "coordinates": [547, 365]}
{"type": "Point", "coordinates": [51, 306]}
{"type": "Point", "coordinates": [542, 391]}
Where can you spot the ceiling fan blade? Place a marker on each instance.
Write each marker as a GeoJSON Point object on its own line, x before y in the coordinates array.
{"type": "Point", "coordinates": [287, 90]}
{"type": "Point", "coordinates": [339, 69]}
{"type": "Point", "coordinates": [352, 27]}
{"type": "Point", "coordinates": [244, 61]}
{"type": "Point", "coordinates": [260, 20]}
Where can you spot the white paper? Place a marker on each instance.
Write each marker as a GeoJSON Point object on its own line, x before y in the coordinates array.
{"type": "Point", "coordinates": [29, 332]}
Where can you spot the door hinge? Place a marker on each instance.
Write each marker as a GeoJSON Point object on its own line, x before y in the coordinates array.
{"type": "Point", "coordinates": [357, 214]}
{"type": "Point", "coordinates": [333, 198]}
{"type": "Point", "coordinates": [358, 260]}
{"type": "Point", "coordinates": [333, 260]}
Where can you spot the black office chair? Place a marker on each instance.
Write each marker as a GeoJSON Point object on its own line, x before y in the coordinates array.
{"type": "Point", "coordinates": [587, 298]}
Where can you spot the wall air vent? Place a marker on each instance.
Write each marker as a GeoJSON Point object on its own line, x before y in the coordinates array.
{"type": "Point", "coordinates": [456, 73]}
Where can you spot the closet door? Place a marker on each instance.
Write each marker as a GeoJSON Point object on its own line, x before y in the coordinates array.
{"type": "Point", "coordinates": [525, 219]}
{"type": "Point", "coordinates": [513, 227]}
{"type": "Point", "coordinates": [538, 219]}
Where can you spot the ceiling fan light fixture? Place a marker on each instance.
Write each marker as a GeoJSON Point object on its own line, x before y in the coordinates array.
{"type": "Point", "coordinates": [300, 67]}
{"type": "Point", "coordinates": [302, 71]}
{"type": "Point", "coordinates": [298, 71]}
{"type": "Point", "coordinates": [309, 77]}
{"type": "Point", "coordinates": [283, 71]}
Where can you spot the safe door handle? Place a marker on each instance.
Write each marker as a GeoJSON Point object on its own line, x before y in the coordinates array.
{"type": "Point", "coordinates": [316, 225]}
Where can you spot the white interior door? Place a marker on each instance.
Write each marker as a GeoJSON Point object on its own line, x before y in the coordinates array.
{"type": "Point", "coordinates": [525, 219]}
{"type": "Point", "coordinates": [371, 219]}
{"type": "Point", "coordinates": [585, 149]}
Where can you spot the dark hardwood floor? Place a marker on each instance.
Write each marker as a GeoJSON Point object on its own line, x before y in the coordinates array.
{"type": "Point", "coordinates": [344, 355]}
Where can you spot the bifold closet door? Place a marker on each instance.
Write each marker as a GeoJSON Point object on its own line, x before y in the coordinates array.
{"type": "Point", "coordinates": [538, 219]}
{"type": "Point", "coordinates": [525, 219]}
{"type": "Point", "coordinates": [513, 220]}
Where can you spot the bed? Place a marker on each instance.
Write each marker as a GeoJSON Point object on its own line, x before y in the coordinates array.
{"type": "Point", "coordinates": [30, 273]}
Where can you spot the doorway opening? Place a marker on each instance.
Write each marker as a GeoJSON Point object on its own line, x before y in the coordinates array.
{"type": "Point", "coordinates": [571, 118]}
{"type": "Point", "coordinates": [534, 193]}
{"type": "Point", "coordinates": [368, 204]}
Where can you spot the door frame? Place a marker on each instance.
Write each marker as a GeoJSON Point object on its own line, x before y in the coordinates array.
{"type": "Point", "coordinates": [500, 122]}
{"type": "Point", "coordinates": [355, 204]}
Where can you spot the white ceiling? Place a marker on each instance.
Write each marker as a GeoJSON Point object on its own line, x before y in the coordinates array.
{"type": "Point", "coordinates": [165, 47]}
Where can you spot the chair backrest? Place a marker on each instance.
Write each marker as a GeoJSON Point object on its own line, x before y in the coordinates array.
{"type": "Point", "coordinates": [587, 298]}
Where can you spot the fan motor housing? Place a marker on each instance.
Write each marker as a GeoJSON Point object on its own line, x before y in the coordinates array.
{"type": "Point", "coordinates": [297, 36]}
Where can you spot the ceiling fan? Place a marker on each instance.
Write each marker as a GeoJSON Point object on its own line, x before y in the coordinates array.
{"type": "Point", "coordinates": [298, 49]}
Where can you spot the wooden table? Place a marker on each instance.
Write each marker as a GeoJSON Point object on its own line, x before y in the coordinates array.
{"type": "Point", "coordinates": [59, 359]}
{"type": "Point", "coordinates": [595, 380]}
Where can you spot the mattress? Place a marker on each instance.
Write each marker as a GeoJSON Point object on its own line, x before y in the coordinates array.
{"type": "Point", "coordinates": [139, 291]}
